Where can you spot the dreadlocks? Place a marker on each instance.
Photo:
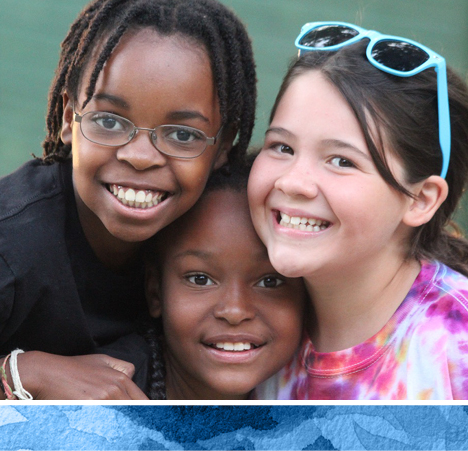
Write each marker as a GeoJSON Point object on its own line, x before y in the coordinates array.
{"type": "Point", "coordinates": [99, 28]}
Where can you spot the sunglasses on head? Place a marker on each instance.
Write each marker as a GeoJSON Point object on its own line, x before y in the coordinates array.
{"type": "Point", "coordinates": [392, 54]}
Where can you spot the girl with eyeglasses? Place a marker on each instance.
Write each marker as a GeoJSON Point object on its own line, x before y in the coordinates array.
{"type": "Point", "coordinates": [147, 101]}
{"type": "Point", "coordinates": [354, 190]}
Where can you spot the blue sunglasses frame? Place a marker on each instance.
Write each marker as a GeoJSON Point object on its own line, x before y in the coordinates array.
{"type": "Point", "coordinates": [434, 60]}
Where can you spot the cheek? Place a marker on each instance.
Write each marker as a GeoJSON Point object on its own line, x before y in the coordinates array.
{"type": "Point", "coordinates": [180, 316]}
{"type": "Point", "coordinates": [287, 321]}
{"type": "Point", "coordinates": [192, 177]}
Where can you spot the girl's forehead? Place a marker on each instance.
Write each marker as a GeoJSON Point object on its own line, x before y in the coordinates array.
{"type": "Point", "coordinates": [139, 44]}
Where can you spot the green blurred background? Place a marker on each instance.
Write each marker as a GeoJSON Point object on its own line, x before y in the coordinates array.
{"type": "Point", "coordinates": [31, 32]}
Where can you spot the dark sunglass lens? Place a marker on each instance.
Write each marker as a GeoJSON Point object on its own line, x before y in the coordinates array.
{"type": "Point", "coordinates": [399, 55]}
{"type": "Point", "coordinates": [327, 36]}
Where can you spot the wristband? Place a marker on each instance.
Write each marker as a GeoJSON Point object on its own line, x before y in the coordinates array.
{"type": "Point", "coordinates": [6, 388]}
{"type": "Point", "coordinates": [19, 390]}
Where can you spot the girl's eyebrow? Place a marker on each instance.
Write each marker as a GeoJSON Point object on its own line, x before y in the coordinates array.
{"type": "Point", "coordinates": [189, 114]}
{"type": "Point", "coordinates": [280, 131]}
{"type": "Point", "coordinates": [338, 143]}
{"type": "Point", "coordinates": [115, 100]}
{"type": "Point", "coordinates": [193, 253]}
{"type": "Point", "coordinates": [175, 115]}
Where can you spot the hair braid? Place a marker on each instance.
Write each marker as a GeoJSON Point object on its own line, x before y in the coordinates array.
{"type": "Point", "coordinates": [102, 24]}
{"type": "Point", "coordinates": [153, 333]}
{"type": "Point", "coordinates": [111, 43]}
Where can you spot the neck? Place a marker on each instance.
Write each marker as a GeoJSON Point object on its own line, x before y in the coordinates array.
{"type": "Point", "coordinates": [114, 253]}
{"type": "Point", "coordinates": [352, 308]}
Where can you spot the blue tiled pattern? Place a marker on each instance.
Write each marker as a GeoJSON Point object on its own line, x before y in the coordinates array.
{"type": "Point", "coordinates": [345, 427]}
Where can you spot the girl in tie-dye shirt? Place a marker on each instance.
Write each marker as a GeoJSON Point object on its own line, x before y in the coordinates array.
{"type": "Point", "coordinates": [350, 192]}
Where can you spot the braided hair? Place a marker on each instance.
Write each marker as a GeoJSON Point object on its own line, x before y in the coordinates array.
{"type": "Point", "coordinates": [232, 179]}
{"type": "Point", "coordinates": [99, 28]}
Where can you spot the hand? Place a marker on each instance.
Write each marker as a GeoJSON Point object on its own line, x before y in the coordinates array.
{"type": "Point", "coordinates": [91, 377]}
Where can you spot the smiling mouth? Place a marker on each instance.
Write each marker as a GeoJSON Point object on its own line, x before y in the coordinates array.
{"type": "Point", "coordinates": [302, 223]}
{"type": "Point", "coordinates": [234, 347]}
{"type": "Point", "coordinates": [137, 198]}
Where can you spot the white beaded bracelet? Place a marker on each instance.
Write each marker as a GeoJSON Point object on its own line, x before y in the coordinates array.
{"type": "Point", "coordinates": [19, 390]}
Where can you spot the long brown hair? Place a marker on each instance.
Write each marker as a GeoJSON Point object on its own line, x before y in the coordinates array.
{"type": "Point", "coordinates": [405, 110]}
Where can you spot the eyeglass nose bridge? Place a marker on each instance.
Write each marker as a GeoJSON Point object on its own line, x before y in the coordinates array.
{"type": "Point", "coordinates": [152, 135]}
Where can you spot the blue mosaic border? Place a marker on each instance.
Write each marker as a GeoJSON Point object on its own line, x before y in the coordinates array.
{"type": "Point", "coordinates": [257, 427]}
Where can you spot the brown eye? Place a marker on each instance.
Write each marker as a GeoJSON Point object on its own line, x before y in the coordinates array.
{"type": "Point", "coordinates": [270, 282]}
{"type": "Point", "coordinates": [200, 279]}
{"type": "Point", "coordinates": [342, 162]}
{"type": "Point", "coordinates": [283, 148]}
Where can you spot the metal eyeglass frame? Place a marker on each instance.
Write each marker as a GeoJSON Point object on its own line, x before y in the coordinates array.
{"type": "Point", "coordinates": [210, 141]}
{"type": "Point", "coordinates": [434, 60]}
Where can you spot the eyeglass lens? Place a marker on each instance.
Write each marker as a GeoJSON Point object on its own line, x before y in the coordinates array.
{"type": "Point", "coordinates": [328, 35]}
{"type": "Point", "coordinates": [111, 130]}
{"type": "Point", "coordinates": [399, 55]}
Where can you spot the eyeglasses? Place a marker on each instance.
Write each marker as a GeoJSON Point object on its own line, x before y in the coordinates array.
{"type": "Point", "coordinates": [179, 141]}
{"type": "Point", "coordinates": [392, 54]}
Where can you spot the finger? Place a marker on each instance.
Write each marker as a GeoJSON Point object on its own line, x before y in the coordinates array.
{"type": "Point", "coordinates": [134, 392]}
{"type": "Point", "coordinates": [120, 365]}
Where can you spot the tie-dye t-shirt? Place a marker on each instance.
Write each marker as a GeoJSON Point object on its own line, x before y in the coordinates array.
{"type": "Point", "coordinates": [420, 354]}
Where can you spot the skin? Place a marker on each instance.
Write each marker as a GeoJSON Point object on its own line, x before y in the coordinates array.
{"type": "Point", "coordinates": [151, 80]}
{"type": "Point", "coordinates": [217, 285]}
{"type": "Point", "coordinates": [315, 164]}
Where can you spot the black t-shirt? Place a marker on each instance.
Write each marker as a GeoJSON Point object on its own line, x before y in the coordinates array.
{"type": "Point", "coordinates": [55, 295]}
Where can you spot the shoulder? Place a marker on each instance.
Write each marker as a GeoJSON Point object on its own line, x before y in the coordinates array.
{"type": "Point", "coordinates": [32, 215]}
{"type": "Point", "coordinates": [447, 286]}
{"type": "Point", "coordinates": [31, 183]}
{"type": "Point", "coordinates": [440, 311]}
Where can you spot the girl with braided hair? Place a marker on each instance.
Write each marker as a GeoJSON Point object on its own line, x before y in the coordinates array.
{"type": "Point", "coordinates": [148, 99]}
{"type": "Point", "coordinates": [225, 320]}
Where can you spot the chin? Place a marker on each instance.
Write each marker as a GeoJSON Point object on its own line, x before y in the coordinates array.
{"type": "Point", "coordinates": [286, 264]}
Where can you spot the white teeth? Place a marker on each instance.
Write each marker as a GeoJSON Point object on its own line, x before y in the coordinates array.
{"type": "Point", "coordinates": [302, 223]}
{"type": "Point", "coordinates": [295, 220]}
{"type": "Point", "coordinates": [136, 198]}
{"type": "Point", "coordinates": [228, 346]}
{"type": "Point", "coordinates": [130, 195]}
{"type": "Point", "coordinates": [140, 196]}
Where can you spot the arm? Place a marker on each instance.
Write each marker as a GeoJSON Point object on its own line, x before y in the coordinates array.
{"type": "Point", "coordinates": [91, 377]}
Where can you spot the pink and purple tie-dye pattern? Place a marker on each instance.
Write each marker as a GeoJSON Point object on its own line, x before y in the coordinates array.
{"type": "Point", "coordinates": [420, 354]}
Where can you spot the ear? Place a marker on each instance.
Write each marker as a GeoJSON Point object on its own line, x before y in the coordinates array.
{"type": "Point", "coordinates": [430, 194]}
{"type": "Point", "coordinates": [67, 120]}
{"type": "Point", "coordinates": [152, 291]}
{"type": "Point", "coordinates": [227, 139]}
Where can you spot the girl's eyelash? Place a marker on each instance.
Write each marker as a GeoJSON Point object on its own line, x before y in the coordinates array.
{"type": "Point", "coordinates": [348, 163]}
{"type": "Point", "coordinates": [277, 145]}
{"type": "Point", "coordinates": [270, 277]}
{"type": "Point", "coordinates": [199, 278]}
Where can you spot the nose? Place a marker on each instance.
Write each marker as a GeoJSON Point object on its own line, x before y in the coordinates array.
{"type": "Point", "coordinates": [298, 180]}
{"type": "Point", "coordinates": [235, 306]}
{"type": "Point", "coordinates": [141, 153]}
